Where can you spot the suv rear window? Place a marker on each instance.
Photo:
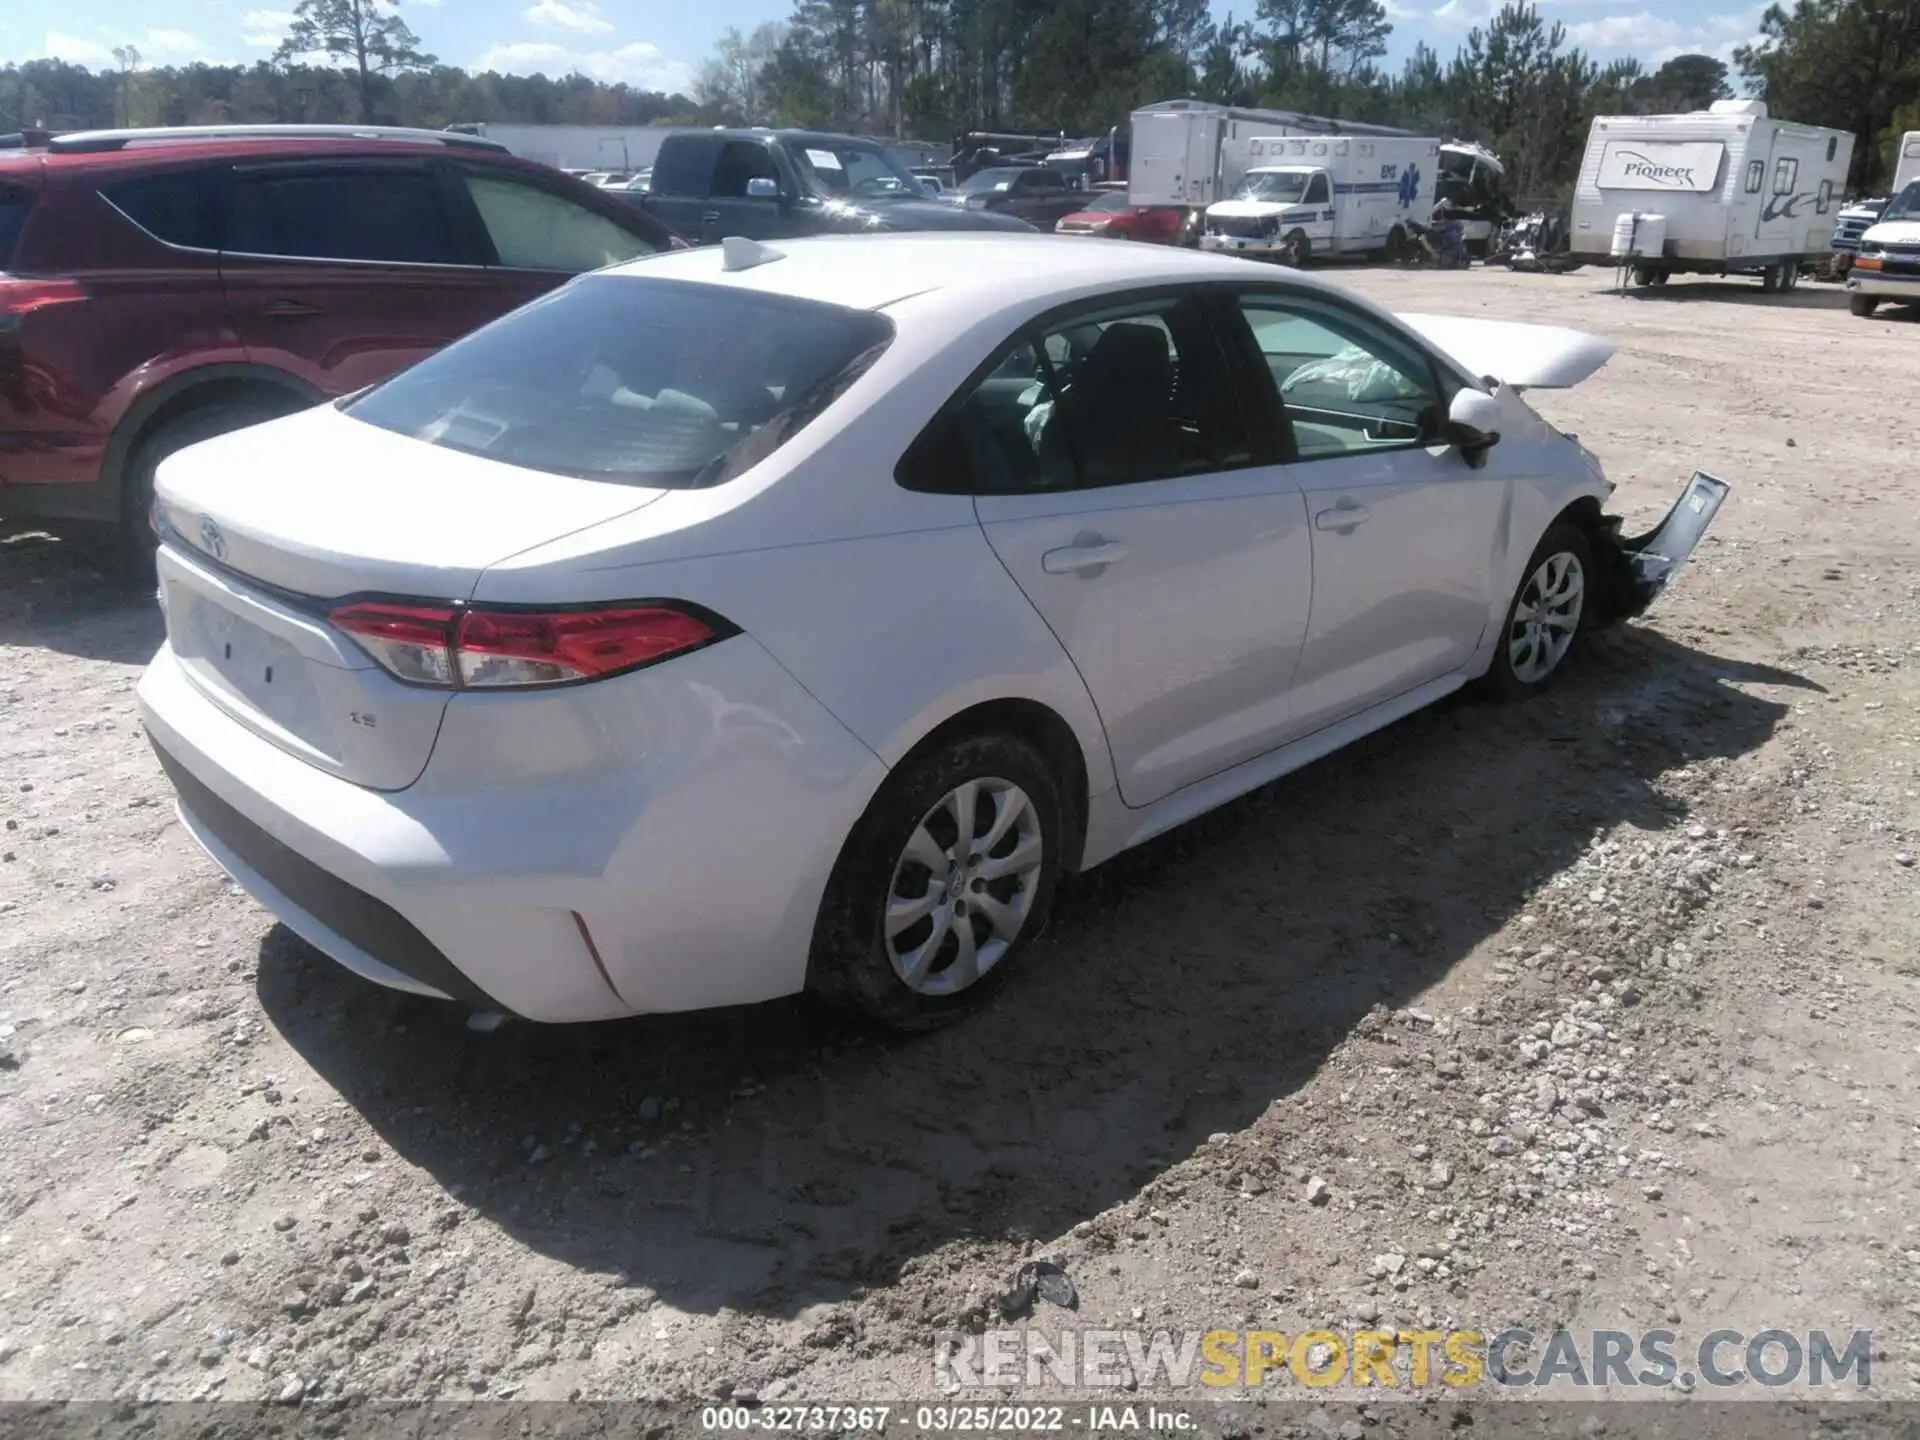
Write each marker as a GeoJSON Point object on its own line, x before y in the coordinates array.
{"type": "Point", "coordinates": [638, 381]}
{"type": "Point", "coordinates": [14, 204]}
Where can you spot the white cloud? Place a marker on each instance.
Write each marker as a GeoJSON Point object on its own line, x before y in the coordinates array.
{"type": "Point", "coordinates": [1640, 32]}
{"type": "Point", "coordinates": [582, 19]}
{"type": "Point", "coordinates": [1460, 14]}
{"type": "Point", "coordinates": [268, 19]}
{"type": "Point", "coordinates": [156, 47]}
{"type": "Point", "coordinates": [60, 46]}
{"type": "Point", "coordinates": [638, 63]}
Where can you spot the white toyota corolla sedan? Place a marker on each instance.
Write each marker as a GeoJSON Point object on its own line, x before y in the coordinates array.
{"type": "Point", "coordinates": [743, 620]}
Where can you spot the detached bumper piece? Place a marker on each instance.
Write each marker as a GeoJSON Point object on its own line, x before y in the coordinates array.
{"type": "Point", "coordinates": [1640, 567]}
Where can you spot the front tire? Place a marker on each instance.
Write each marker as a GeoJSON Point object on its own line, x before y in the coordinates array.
{"type": "Point", "coordinates": [1863, 305]}
{"type": "Point", "coordinates": [942, 885]}
{"type": "Point", "coordinates": [1297, 250]}
{"type": "Point", "coordinates": [1546, 616]}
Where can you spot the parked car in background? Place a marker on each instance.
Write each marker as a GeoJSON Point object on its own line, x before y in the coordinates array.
{"type": "Point", "coordinates": [1114, 217]}
{"type": "Point", "coordinates": [1886, 268]}
{"type": "Point", "coordinates": [161, 286]}
{"type": "Point", "coordinates": [776, 184]}
{"type": "Point", "coordinates": [1033, 193]}
{"type": "Point", "coordinates": [1186, 523]}
{"type": "Point", "coordinates": [937, 180]}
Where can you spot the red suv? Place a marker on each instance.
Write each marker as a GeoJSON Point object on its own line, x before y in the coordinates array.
{"type": "Point", "coordinates": [159, 287]}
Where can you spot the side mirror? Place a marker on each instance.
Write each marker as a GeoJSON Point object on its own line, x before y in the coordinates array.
{"type": "Point", "coordinates": [1471, 426]}
{"type": "Point", "coordinates": [762, 188]}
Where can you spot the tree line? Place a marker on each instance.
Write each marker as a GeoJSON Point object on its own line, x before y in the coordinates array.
{"type": "Point", "coordinates": [937, 67]}
{"type": "Point", "coordinates": [931, 69]}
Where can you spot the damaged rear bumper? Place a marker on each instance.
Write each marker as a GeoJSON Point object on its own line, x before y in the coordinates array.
{"type": "Point", "coordinates": [1639, 567]}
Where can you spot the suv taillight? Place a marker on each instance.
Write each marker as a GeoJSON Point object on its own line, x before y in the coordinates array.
{"type": "Point", "coordinates": [481, 648]}
{"type": "Point", "coordinates": [20, 294]}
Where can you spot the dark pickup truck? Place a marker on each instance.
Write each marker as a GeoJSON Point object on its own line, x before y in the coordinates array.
{"type": "Point", "coordinates": [1034, 193]}
{"type": "Point", "coordinates": [778, 184]}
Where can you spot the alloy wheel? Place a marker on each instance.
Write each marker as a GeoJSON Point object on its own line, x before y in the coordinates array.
{"type": "Point", "coordinates": [1546, 617]}
{"type": "Point", "coordinates": [963, 887]}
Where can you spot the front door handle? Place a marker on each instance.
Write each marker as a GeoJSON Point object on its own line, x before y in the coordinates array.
{"type": "Point", "coordinates": [1344, 517]}
{"type": "Point", "coordinates": [290, 309]}
{"type": "Point", "coordinates": [711, 217]}
{"type": "Point", "coordinates": [1083, 557]}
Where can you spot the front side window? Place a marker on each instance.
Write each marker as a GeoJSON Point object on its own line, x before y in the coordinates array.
{"type": "Point", "coordinates": [1347, 387]}
{"type": "Point", "coordinates": [741, 161]}
{"type": "Point", "coordinates": [533, 229]}
{"type": "Point", "coordinates": [635, 381]}
{"type": "Point", "coordinates": [1317, 191]}
{"type": "Point", "coordinates": [394, 216]}
{"type": "Point", "coordinates": [1115, 398]}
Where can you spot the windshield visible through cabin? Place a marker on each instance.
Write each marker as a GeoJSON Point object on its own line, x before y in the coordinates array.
{"type": "Point", "coordinates": [1276, 187]}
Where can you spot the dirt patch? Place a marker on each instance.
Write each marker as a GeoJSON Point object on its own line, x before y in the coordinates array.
{"type": "Point", "coordinates": [1596, 1011]}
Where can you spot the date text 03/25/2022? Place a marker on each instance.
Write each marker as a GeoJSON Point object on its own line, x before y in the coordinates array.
{"type": "Point", "coordinates": [946, 1419]}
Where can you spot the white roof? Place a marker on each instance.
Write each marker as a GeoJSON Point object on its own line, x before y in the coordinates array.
{"type": "Point", "coordinates": [994, 270]}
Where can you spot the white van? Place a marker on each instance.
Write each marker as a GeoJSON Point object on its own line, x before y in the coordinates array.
{"type": "Point", "coordinates": [1856, 220]}
{"type": "Point", "coordinates": [1722, 191]}
{"type": "Point", "coordinates": [1886, 268]}
{"type": "Point", "coordinates": [1320, 195]}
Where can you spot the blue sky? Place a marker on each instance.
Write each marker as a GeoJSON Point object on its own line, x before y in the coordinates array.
{"type": "Point", "coordinates": [659, 44]}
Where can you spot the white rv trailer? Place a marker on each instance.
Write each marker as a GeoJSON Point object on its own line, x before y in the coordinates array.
{"type": "Point", "coordinates": [1723, 191]}
{"type": "Point", "coordinates": [1309, 196]}
{"type": "Point", "coordinates": [1191, 153]}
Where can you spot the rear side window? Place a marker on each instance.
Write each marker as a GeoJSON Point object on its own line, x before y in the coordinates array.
{"type": "Point", "coordinates": [177, 207]}
{"type": "Point", "coordinates": [533, 229]}
{"type": "Point", "coordinates": [14, 204]}
{"type": "Point", "coordinates": [386, 215]}
{"type": "Point", "coordinates": [637, 381]}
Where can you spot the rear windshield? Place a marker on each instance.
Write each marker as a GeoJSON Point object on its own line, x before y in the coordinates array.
{"type": "Point", "coordinates": [14, 204]}
{"type": "Point", "coordinates": [639, 381]}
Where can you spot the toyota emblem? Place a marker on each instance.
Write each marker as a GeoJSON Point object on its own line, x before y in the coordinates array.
{"type": "Point", "coordinates": [212, 541]}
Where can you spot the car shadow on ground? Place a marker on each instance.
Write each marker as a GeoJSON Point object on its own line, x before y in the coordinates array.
{"type": "Point", "coordinates": [64, 592]}
{"type": "Point", "coordinates": [767, 1158]}
{"type": "Point", "coordinates": [1809, 295]}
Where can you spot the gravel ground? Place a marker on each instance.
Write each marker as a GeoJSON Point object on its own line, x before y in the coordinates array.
{"type": "Point", "coordinates": [1597, 1011]}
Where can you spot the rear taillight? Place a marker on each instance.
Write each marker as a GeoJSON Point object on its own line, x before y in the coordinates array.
{"type": "Point", "coordinates": [21, 295]}
{"type": "Point", "coordinates": [489, 649]}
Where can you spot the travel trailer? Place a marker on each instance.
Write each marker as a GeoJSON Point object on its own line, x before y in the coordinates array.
{"type": "Point", "coordinates": [1723, 191]}
{"type": "Point", "coordinates": [1307, 197]}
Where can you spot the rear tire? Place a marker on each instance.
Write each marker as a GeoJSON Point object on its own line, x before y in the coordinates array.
{"type": "Point", "coordinates": [1546, 616]}
{"type": "Point", "coordinates": [1643, 274]}
{"type": "Point", "coordinates": [1397, 243]}
{"type": "Point", "coordinates": [1863, 305]}
{"type": "Point", "coordinates": [889, 944]}
{"type": "Point", "coordinates": [1790, 275]}
{"type": "Point", "coordinates": [1770, 280]}
{"type": "Point", "coordinates": [1660, 277]}
{"type": "Point", "coordinates": [136, 540]}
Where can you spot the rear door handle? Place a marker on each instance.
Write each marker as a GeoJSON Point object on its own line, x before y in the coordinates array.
{"type": "Point", "coordinates": [1083, 557]}
{"type": "Point", "coordinates": [711, 217]}
{"type": "Point", "coordinates": [1342, 518]}
{"type": "Point", "coordinates": [290, 309]}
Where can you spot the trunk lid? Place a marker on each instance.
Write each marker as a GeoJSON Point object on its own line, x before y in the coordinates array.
{"type": "Point", "coordinates": [267, 527]}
